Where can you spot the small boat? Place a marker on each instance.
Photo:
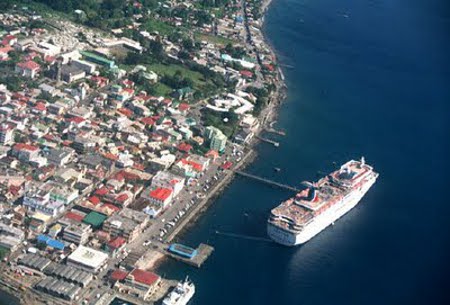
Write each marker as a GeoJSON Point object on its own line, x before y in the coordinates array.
{"type": "Point", "coordinates": [277, 169]}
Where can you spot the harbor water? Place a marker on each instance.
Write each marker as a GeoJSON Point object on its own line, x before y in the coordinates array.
{"type": "Point", "coordinates": [365, 77]}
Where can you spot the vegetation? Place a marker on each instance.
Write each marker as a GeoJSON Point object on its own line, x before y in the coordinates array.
{"type": "Point", "coordinates": [227, 122]}
{"type": "Point", "coordinates": [261, 95]}
{"type": "Point", "coordinates": [3, 252]}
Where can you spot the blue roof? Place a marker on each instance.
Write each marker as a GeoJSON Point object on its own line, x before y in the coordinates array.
{"type": "Point", "coordinates": [183, 250]}
{"type": "Point", "coordinates": [42, 238]}
{"type": "Point", "coordinates": [56, 244]}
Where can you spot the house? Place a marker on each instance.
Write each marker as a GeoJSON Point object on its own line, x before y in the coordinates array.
{"type": "Point", "coordinates": [4, 53]}
{"type": "Point", "coordinates": [28, 68]}
{"type": "Point", "coordinates": [25, 152]}
{"type": "Point", "coordinates": [160, 196]}
{"type": "Point", "coordinates": [139, 283]}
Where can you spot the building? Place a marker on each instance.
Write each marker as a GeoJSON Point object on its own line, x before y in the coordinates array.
{"type": "Point", "coordinates": [60, 156]}
{"type": "Point", "coordinates": [77, 233]}
{"type": "Point", "coordinates": [50, 242]}
{"type": "Point", "coordinates": [127, 223]}
{"type": "Point", "coordinates": [139, 283]}
{"type": "Point", "coordinates": [10, 237]}
{"type": "Point", "coordinates": [72, 275]}
{"type": "Point", "coordinates": [165, 179]}
{"type": "Point", "coordinates": [191, 166]}
{"type": "Point", "coordinates": [58, 288]}
{"type": "Point", "coordinates": [95, 219]}
{"type": "Point", "coordinates": [6, 134]}
{"type": "Point", "coordinates": [49, 198]}
{"type": "Point", "coordinates": [87, 259]}
{"type": "Point", "coordinates": [25, 152]}
{"type": "Point", "coordinates": [100, 60]}
{"type": "Point", "coordinates": [217, 140]}
{"type": "Point", "coordinates": [160, 197]}
{"type": "Point", "coordinates": [71, 73]}
{"type": "Point", "coordinates": [28, 69]}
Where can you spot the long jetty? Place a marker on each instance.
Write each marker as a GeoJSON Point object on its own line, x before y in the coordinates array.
{"type": "Point", "coordinates": [275, 131]}
{"type": "Point", "coordinates": [268, 181]}
{"type": "Point", "coordinates": [274, 143]}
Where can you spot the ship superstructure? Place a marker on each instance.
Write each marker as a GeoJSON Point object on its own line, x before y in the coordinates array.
{"type": "Point", "coordinates": [298, 219]}
{"type": "Point", "coordinates": [181, 294]}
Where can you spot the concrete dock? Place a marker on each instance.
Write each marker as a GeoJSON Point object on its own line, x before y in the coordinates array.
{"type": "Point", "coordinates": [203, 252]}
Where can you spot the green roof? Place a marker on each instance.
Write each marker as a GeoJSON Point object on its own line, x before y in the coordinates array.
{"type": "Point", "coordinates": [95, 219]}
{"type": "Point", "coordinates": [97, 57]}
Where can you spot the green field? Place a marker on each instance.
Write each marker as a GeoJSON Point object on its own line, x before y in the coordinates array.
{"type": "Point", "coordinates": [162, 69]}
{"type": "Point", "coordinates": [213, 39]}
{"type": "Point", "coordinates": [161, 90]}
{"type": "Point", "coordinates": [161, 27]}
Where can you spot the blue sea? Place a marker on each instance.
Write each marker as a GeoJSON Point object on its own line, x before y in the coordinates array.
{"type": "Point", "coordinates": [365, 78]}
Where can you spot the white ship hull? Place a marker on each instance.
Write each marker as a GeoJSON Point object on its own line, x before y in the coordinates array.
{"type": "Point", "coordinates": [319, 223]}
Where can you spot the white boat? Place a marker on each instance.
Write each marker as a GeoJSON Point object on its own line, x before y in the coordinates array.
{"type": "Point", "coordinates": [298, 219]}
{"type": "Point", "coordinates": [181, 294]}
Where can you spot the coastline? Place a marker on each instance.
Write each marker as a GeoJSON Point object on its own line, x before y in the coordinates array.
{"type": "Point", "coordinates": [267, 116]}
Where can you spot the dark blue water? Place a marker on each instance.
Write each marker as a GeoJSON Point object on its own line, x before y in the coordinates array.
{"type": "Point", "coordinates": [369, 77]}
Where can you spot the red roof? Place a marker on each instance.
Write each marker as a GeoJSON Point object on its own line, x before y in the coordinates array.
{"type": "Point", "coordinates": [110, 207]}
{"type": "Point", "coordinates": [22, 146]}
{"type": "Point", "coordinates": [29, 65]}
{"type": "Point", "coordinates": [269, 67]}
{"type": "Point", "coordinates": [161, 193]}
{"type": "Point", "coordinates": [117, 242]}
{"type": "Point", "coordinates": [94, 200]}
{"type": "Point", "coordinates": [183, 107]}
{"type": "Point", "coordinates": [198, 167]}
{"type": "Point", "coordinates": [212, 153]}
{"type": "Point", "coordinates": [102, 191]}
{"type": "Point", "coordinates": [76, 119]}
{"type": "Point", "coordinates": [227, 165]}
{"type": "Point", "coordinates": [144, 277]}
{"type": "Point", "coordinates": [40, 107]}
{"type": "Point", "coordinates": [122, 197]}
{"type": "Point", "coordinates": [111, 156]}
{"type": "Point", "coordinates": [118, 275]}
{"type": "Point", "coordinates": [246, 73]}
{"type": "Point", "coordinates": [74, 216]}
{"type": "Point", "coordinates": [148, 121]}
{"type": "Point", "coordinates": [126, 112]}
{"type": "Point", "coordinates": [184, 147]}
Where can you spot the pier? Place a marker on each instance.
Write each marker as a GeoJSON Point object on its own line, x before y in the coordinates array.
{"type": "Point", "coordinates": [268, 181]}
{"type": "Point", "coordinates": [275, 131]}
{"type": "Point", "coordinates": [274, 143]}
{"type": "Point", "coordinates": [203, 252]}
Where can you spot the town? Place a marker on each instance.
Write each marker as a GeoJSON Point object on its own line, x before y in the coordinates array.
{"type": "Point", "coordinates": [116, 132]}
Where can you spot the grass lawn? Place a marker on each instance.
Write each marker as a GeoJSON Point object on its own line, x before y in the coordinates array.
{"type": "Point", "coordinates": [162, 69]}
{"type": "Point", "coordinates": [213, 39]}
{"type": "Point", "coordinates": [159, 26]}
{"type": "Point", "coordinates": [162, 90]}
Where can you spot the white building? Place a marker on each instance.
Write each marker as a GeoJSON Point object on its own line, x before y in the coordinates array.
{"type": "Point", "coordinates": [87, 259]}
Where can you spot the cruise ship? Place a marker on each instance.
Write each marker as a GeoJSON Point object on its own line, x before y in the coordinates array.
{"type": "Point", "coordinates": [298, 219]}
{"type": "Point", "coordinates": [181, 294]}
